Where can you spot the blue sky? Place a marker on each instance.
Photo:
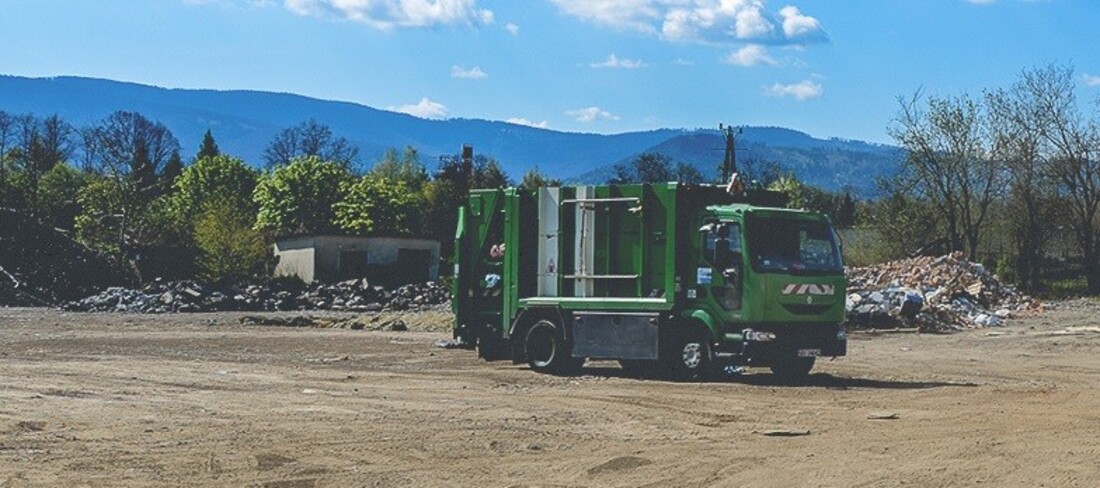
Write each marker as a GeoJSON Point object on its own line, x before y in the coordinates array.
{"type": "Point", "coordinates": [833, 68]}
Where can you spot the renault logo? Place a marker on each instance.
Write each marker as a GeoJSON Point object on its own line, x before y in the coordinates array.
{"type": "Point", "coordinates": [810, 300]}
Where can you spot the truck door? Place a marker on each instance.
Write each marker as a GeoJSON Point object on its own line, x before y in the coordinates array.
{"type": "Point", "coordinates": [724, 254]}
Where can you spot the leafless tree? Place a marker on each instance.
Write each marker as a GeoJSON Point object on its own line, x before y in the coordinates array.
{"type": "Point", "coordinates": [949, 161]}
{"type": "Point", "coordinates": [89, 148]}
{"type": "Point", "coordinates": [310, 138]}
{"type": "Point", "coordinates": [1072, 144]}
{"type": "Point", "coordinates": [1018, 141]}
{"type": "Point", "coordinates": [40, 144]}
{"type": "Point", "coordinates": [130, 150]}
{"type": "Point", "coordinates": [7, 135]}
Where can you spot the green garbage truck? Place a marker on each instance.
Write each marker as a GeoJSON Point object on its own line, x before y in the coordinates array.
{"type": "Point", "coordinates": [673, 278]}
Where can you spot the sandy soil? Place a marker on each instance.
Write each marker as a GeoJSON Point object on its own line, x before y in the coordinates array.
{"type": "Point", "coordinates": [200, 400]}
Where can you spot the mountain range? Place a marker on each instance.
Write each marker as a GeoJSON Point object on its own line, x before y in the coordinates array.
{"type": "Point", "coordinates": [244, 122]}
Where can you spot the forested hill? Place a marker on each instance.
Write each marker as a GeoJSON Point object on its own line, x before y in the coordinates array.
{"type": "Point", "coordinates": [244, 122]}
{"type": "Point", "coordinates": [832, 164]}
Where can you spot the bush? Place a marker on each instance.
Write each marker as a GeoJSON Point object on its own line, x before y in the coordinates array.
{"type": "Point", "coordinates": [231, 249]}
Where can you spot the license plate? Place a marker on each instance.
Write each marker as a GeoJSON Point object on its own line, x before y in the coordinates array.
{"type": "Point", "coordinates": [809, 353]}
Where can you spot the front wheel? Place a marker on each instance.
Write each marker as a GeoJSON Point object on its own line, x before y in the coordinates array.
{"type": "Point", "coordinates": [546, 349]}
{"type": "Point", "coordinates": [689, 357]}
{"type": "Point", "coordinates": [793, 370]}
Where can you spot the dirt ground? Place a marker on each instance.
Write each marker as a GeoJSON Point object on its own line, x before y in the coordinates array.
{"type": "Point", "coordinates": [200, 400]}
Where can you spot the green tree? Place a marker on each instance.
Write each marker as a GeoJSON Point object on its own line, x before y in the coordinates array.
{"type": "Point", "coordinates": [655, 168]}
{"type": "Point", "coordinates": [208, 148]}
{"type": "Point", "coordinates": [98, 224]}
{"type": "Point", "coordinates": [218, 178]}
{"type": "Point", "coordinates": [646, 168]}
{"type": "Point", "coordinates": [172, 170]}
{"type": "Point", "coordinates": [488, 173]}
{"type": "Point", "coordinates": [407, 169]}
{"type": "Point", "coordinates": [231, 249]}
{"type": "Point", "coordinates": [299, 197]}
{"type": "Point", "coordinates": [533, 179]}
{"type": "Point", "coordinates": [377, 206]}
{"type": "Point", "coordinates": [441, 199]}
{"type": "Point", "coordinates": [686, 173]}
{"type": "Point", "coordinates": [795, 190]}
{"type": "Point", "coordinates": [58, 191]}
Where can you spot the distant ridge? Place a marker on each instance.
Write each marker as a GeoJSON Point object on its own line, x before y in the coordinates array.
{"type": "Point", "coordinates": [245, 121]}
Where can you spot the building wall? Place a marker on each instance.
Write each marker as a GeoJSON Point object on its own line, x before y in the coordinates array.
{"type": "Point", "coordinates": [296, 258]}
{"type": "Point", "coordinates": [319, 258]}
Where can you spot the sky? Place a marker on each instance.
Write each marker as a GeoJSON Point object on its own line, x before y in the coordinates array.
{"type": "Point", "coordinates": [832, 68]}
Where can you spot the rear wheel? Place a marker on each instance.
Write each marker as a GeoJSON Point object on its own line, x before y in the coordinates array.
{"type": "Point", "coordinates": [793, 370]}
{"type": "Point", "coordinates": [547, 351]}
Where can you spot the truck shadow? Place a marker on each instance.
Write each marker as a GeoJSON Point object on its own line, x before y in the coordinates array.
{"type": "Point", "coordinates": [819, 380]}
{"type": "Point", "coordinates": [826, 380]}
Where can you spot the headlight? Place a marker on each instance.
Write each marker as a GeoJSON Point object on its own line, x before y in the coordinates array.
{"type": "Point", "coordinates": [841, 335]}
{"type": "Point", "coordinates": [759, 336]}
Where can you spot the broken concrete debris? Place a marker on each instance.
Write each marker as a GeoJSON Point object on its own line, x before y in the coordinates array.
{"type": "Point", "coordinates": [188, 296]}
{"type": "Point", "coordinates": [933, 294]}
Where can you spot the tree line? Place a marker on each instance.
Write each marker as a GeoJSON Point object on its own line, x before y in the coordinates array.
{"type": "Point", "coordinates": [121, 186]}
{"type": "Point", "coordinates": [1005, 177]}
{"type": "Point", "coordinates": [1017, 165]}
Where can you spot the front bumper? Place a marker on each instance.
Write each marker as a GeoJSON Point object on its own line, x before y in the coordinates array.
{"type": "Point", "coordinates": [764, 345]}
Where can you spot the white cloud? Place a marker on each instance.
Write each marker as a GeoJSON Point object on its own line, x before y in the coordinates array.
{"type": "Point", "coordinates": [982, 2]}
{"type": "Point", "coordinates": [800, 91]}
{"type": "Point", "coordinates": [529, 123]}
{"type": "Point", "coordinates": [512, 28]}
{"type": "Point", "coordinates": [798, 26]}
{"type": "Point", "coordinates": [425, 109]}
{"type": "Point", "coordinates": [751, 55]}
{"type": "Point", "coordinates": [632, 14]}
{"type": "Point", "coordinates": [710, 21]}
{"type": "Point", "coordinates": [388, 14]}
{"type": "Point", "coordinates": [591, 114]}
{"type": "Point", "coordinates": [1091, 80]}
{"type": "Point", "coordinates": [684, 62]}
{"type": "Point", "coordinates": [613, 61]}
{"type": "Point", "coordinates": [474, 73]}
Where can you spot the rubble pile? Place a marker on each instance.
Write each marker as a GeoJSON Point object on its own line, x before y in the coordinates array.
{"type": "Point", "coordinates": [188, 296]}
{"type": "Point", "coordinates": [43, 266]}
{"type": "Point", "coordinates": [932, 293]}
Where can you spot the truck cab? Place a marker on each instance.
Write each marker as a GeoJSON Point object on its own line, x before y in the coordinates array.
{"type": "Point", "coordinates": [771, 283]}
{"type": "Point", "coordinates": [674, 279]}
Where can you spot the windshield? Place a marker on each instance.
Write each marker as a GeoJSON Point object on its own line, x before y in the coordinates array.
{"type": "Point", "coordinates": [795, 246]}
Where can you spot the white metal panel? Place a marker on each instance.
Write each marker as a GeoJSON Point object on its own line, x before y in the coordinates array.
{"type": "Point", "coordinates": [585, 250]}
{"type": "Point", "coordinates": [549, 206]}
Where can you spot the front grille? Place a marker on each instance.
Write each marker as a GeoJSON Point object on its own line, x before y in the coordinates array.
{"type": "Point", "coordinates": [798, 309]}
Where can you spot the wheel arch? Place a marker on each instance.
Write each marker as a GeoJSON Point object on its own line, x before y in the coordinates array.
{"type": "Point", "coordinates": [702, 318]}
{"type": "Point", "coordinates": [528, 317]}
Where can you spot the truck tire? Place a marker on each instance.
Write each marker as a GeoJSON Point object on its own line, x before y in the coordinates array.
{"type": "Point", "coordinates": [492, 349]}
{"type": "Point", "coordinates": [793, 371]}
{"type": "Point", "coordinates": [689, 356]}
{"type": "Point", "coordinates": [547, 351]}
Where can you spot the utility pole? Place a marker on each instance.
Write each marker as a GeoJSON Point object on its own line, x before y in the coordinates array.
{"type": "Point", "coordinates": [729, 163]}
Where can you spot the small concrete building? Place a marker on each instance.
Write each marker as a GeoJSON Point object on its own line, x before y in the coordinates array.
{"type": "Point", "coordinates": [384, 260]}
